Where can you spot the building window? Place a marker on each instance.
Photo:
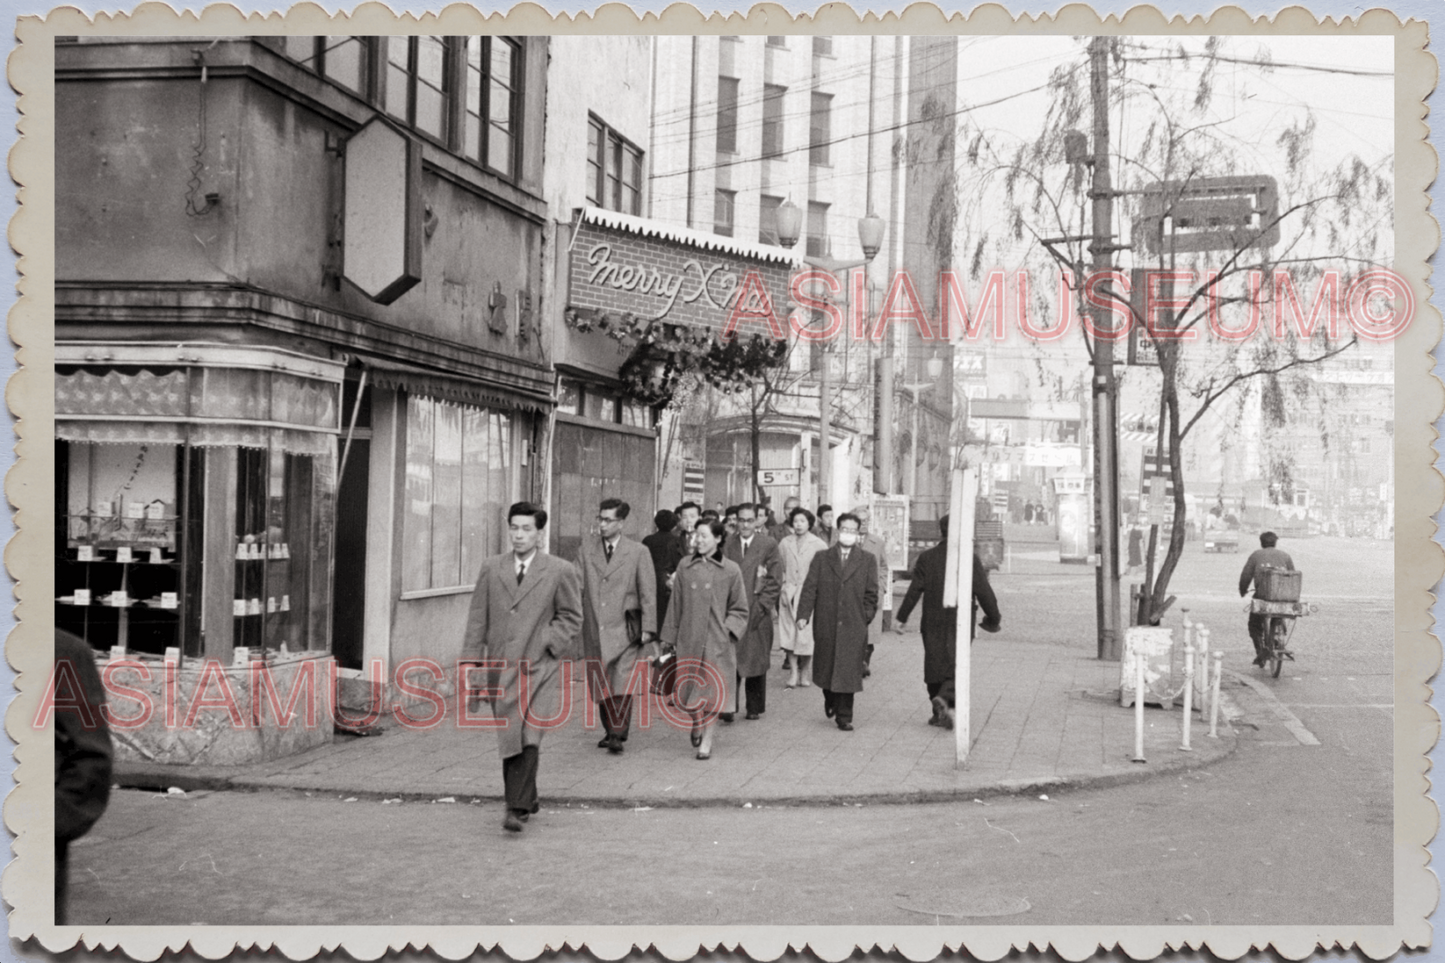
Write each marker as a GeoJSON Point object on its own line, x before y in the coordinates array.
{"type": "Point", "coordinates": [822, 46]}
{"type": "Point", "coordinates": [494, 86]}
{"type": "Point", "coordinates": [418, 90]}
{"type": "Point", "coordinates": [342, 60]}
{"type": "Point", "coordinates": [768, 219]}
{"type": "Point", "coordinates": [724, 205]}
{"type": "Point", "coordinates": [614, 169]}
{"type": "Point", "coordinates": [727, 115]}
{"type": "Point", "coordinates": [818, 230]}
{"type": "Point", "coordinates": [773, 120]}
{"type": "Point", "coordinates": [777, 41]}
{"type": "Point", "coordinates": [459, 481]}
{"type": "Point", "coordinates": [820, 129]}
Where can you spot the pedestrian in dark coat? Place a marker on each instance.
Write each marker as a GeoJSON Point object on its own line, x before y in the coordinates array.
{"type": "Point", "coordinates": [707, 615]}
{"type": "Point", "coordinates": [757, 557]}
{"type": "Point", "coordinates": [619, 617]}
{"type": "Point", "coordinates": [840, 596]}
{"type": "Point", "coordinates": [525, 615]}
{"type": "Point", "coordinates": [1136, 548]}
{"type": "Point", "coordinates": [667, 549]}
{"type": "Point", "coordinates": [83, 754]}
{"type": "Point", "coordinates": [939, 625]}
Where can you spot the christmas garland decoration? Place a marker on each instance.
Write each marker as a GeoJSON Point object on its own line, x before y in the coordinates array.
{"type": "Point", "coordinates": [660, 355]}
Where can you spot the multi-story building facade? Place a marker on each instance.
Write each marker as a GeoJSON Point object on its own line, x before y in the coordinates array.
{"type": "Point", "coordinates": [300, 364]}
{"type": "Point", "coordinates": [836, 128]}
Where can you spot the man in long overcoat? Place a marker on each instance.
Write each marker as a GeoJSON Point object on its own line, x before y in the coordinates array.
{"type": "Point", "coordinates": [873, 544]}
{"type": "Point", "coordinates": [939, 625]}
{"type": "Point", "coordinates": [619, 616]}
{"type": "Point", "coordinates": [840, 598]}
{"type": "Point", "coordinates": [756, 556]}
{"type": "Point", "coordinates": [525, 615]}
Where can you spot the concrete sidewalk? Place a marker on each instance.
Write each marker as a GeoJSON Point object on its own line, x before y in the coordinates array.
{"type": "Point", "coordinates": [1045, 717]}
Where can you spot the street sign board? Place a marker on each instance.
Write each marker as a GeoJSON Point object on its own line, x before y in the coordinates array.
{"type": "Point", "coordinates": [777, 476]}
{"type": "Point", "coordinates": [1155, 465]}
{"type": "Point", "coordinates": [1210, 214]}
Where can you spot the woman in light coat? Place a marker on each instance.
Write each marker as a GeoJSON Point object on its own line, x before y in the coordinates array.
{"type": "Point", "coordinates": [707, 614]}
{"type": "Point", "coordinates": [797, 550]}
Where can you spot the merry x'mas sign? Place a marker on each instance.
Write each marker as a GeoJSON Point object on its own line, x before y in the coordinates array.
{"type": "Point", "coordinates": [625, 267]}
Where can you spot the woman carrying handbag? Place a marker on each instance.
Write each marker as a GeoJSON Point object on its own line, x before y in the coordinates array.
{"type": "Point", "coordinates": [706, 615]}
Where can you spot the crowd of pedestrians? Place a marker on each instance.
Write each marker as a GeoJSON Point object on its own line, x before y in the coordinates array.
{"type": "Point", "coordinates": [708, 593]}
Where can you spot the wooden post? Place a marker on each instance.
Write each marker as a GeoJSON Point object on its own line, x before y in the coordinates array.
{"type": "Point", "coordinates": [958, 592]}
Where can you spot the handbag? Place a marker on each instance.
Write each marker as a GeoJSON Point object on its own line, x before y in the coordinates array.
{"type": "Point", "coordinates": [664, 672]}
{"type": "Point", "coordinates": [632, 619]}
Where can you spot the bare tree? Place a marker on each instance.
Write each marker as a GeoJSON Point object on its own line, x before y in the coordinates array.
{"type": "Point", "coordinates": [1031, 203]}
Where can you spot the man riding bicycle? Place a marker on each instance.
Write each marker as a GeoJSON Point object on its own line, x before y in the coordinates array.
{"type": "Point", "coordinates": [1266, 554]}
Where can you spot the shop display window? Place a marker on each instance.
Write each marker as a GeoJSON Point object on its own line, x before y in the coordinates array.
{"type": "Point", "coordinates": [461, 474]}
{"type": "Point", "coordinates": [123, 515]}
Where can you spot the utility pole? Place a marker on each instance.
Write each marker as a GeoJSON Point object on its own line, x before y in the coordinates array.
{"type": "Point", "coordinates": [825, 430]}
{"type": "Point", "coordinates": [1104, 390]}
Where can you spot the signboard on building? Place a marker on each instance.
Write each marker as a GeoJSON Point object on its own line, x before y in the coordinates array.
{"type": "Point", "coordinates": [627, 266]}
{"type": "Point", "coordinates": [768, 477]}
{"type": "Point", "coordinates": [1031, 456]}
{"type": "Point", "coordinates": [890, 523]}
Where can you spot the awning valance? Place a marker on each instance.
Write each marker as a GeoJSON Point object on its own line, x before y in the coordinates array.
{"type": "Point", "coordinates": [204, 395]}
{"type": "Point", "coordinates": [445, 386]}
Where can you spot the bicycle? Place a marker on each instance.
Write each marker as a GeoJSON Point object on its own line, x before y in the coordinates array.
{"type": "Point", "coordinates": [1278, 630]}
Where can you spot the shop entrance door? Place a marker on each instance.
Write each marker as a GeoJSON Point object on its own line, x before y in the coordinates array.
{"type": "Point", "coordinates": [348, 610]}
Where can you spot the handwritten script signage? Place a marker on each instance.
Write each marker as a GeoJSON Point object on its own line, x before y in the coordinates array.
{"type": "Point", "coordinates": [653, 278]}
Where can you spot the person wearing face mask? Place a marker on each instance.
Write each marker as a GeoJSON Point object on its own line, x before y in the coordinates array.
{"type": "Point", "coordinates": [707, 615]}
{"type": "Point", "coordinates": [873, 545]}
{"type": "Point", "coordinates": [756, 556]}
{"type": "Point", "coordinates": [839, 599]}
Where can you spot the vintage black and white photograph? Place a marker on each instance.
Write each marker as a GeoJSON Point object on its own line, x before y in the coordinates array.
{"type": "Point", "coordinates": [940, 479]}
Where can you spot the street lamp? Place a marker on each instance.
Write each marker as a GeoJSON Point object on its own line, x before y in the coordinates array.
{"type": "Point", "coordinates": [870, 237]}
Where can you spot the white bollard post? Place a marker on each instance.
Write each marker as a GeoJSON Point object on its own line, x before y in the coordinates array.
{"type": "Point", "coordinates": [1139, 707]}
{"type": "Point", "coordinates": [1214, 696]}
{"type": "Point", "coordinates": [1201, 668]}
{"type": "Point", "coordinates": [1188, 695]}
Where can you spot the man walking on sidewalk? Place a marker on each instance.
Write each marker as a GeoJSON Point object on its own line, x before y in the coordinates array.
{"type": "Point", "coordinates": [873, 545]}
{"type": "Point", "coordinates": [526, 611]}
{"type": "Point", "coordinates": [939, 625]}
{"type": "Point", "coordinates": [619, 616]}
{"type": "Point", "coordinates": [841, 590]}
{"type": "Point", "coordinates": [757, 556]}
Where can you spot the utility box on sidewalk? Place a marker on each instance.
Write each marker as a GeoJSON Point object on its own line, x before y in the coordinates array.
{"type": "Point", "coordinates": [1155, 646]}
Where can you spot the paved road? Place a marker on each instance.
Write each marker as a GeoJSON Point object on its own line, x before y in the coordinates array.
{"type": "Point", "coordinates": [1282, 832]}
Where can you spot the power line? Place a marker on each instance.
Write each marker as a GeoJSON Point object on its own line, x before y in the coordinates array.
{"type": "Point", "coordinates": [1266, 64]}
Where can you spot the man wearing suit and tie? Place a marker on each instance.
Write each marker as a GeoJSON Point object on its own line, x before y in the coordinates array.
{"type": "Point", "coordinates": [757, 556]}
{"type": "Point", "coordinates": [619, 616]}
{"type": "Point", "coordinates": [525, 614]}
{"type": "Point", "coordinates": [840, 598]}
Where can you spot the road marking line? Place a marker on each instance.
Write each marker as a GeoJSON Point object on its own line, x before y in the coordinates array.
{"type": "Point", "coordinates": [1342, 705]}
{"type": "Point", "coordinates": [1291, 721]}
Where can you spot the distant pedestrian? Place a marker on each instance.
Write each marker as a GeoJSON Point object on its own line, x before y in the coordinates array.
{"type": "Point", "coordinates": [784, 526]}
{"type": "Point", "coordinates": [688, 514]}
{"type": "Point", "coordinates": [797, 551]}
{"type": "Point", "coordinates": [756, 556]}
{"type": "Point", "coordinates": [525, 615]}
{"type": "Point", "coordinates": [619, 616]}
{"type": "Point", "coordinates": [730, 520]}
{"type": "Point", "coordinates": [824, 528]}
{"type": "Point", "coordinates": [939, 625]}
{"type": "Point", "coordinates": [1136, 549]}
{"type": "Point", "coordinates": [666, 550]}
{"type": "Point", "coordinates": [83, 754]}
{"type": "Point", "coordinates": [1028, 513]}
{"type": "Point", "coordinates": [707, 616]}
{"type": "Point", "coordinates": [839, 599]}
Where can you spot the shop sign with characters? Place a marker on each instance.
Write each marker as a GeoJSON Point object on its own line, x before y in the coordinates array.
{"type": "Point", "coordinates": [673, 300]}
